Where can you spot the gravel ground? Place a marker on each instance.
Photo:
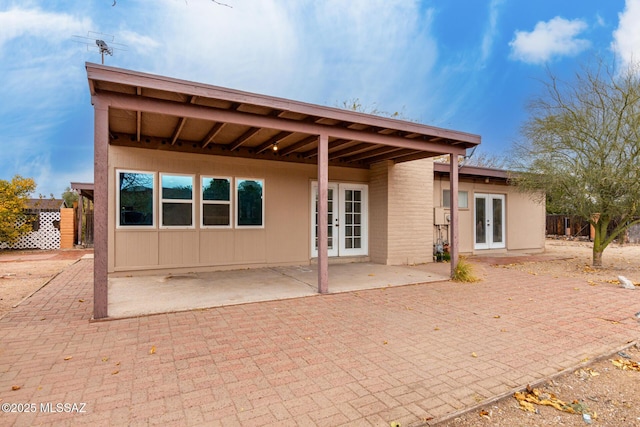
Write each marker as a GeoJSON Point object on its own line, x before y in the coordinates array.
{"type": "Point", "coordinates": [24, 272]}
{"type": "Point", "coordinates": [608, 394]}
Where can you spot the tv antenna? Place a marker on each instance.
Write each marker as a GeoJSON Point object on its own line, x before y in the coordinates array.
{"type": "Point", "coordinates": [100, 42]}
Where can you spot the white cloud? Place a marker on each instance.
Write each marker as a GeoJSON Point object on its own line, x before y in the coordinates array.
{"type": "Point", "coordinates": [47, 26]}
{"type": "Point", "coordinates": [491, 31]}
{"type": "Point", "coordinates": [557, 37]}
{"type": "Point", "coordinates": [320, 52]}
{"type": "Point", "coordinates": [626, 38]}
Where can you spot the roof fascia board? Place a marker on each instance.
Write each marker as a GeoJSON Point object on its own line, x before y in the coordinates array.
{"type": "Point", "coordinates": [136, 103]}
{"type": "Point", "coordinates": [443, 168]}
{"type": "Point", "coordinates": [137, 79]}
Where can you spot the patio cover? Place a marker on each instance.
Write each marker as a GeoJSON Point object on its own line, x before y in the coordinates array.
{"type": "Point", "coordinates": [141, 110]}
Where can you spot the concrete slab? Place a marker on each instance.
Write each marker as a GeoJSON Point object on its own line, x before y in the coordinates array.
{"type": "Point", "coordinates": [141, 295]}
{"type": "Point", "coordinates": [133, 296]}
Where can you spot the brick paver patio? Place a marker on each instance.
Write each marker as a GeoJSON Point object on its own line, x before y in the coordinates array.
{"type": "Point", "coordinates": [411, 354]}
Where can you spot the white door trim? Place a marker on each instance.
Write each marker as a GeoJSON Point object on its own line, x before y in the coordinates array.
{"type": "Point", "coordinates": [348, 219]}
{"type": "Point", "coordinates": [485, 233]}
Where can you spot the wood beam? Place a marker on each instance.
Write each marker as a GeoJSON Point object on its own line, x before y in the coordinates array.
{"type": "Point", "coordinates": [212, 134]}
{"type": "Point", "coordinates": [138, 116]}
{"type": "Point", "coordinates": [178, 129]}
{"type": "Point", "coordinates": [415, 156]}
{"type": "Point", "coordinates": [332, 147]}
{"type": "Point", "coordinates": [101, 74]}
{"type": "Point", "coordinates": [181, 123]}
{"type": "Point", "coordinates": [349, 150]}
{"type": "Point", "coordinates": [372, 153]}
{"type": "Point", "coordinates": [138, 124]}
{"type": "Point", "coordinates": [298, 145]}
{"type": "Point", "coordinates": [243, 138]}
{"type": "Point", "coordinates": [268, 143]}
{"type": "Point", "coordinates": [163, 144]}
{"type": "Point", "coordinates": [389, 156]}
{"type": "Point", "coordinates": [172, 108]}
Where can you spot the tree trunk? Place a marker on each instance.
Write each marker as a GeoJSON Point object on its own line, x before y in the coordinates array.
{"type": "Point", "coordinates": [598, 240]}
{"type": "Point", "coordinates": [597, 258]}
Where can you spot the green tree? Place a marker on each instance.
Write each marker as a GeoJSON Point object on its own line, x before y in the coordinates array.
{"type": "Point", "coordinates": [69, 196]}
{"type": "Point", "coordinates": [582, 147]}
{"type": "Point", "coordinates": [13, 202]}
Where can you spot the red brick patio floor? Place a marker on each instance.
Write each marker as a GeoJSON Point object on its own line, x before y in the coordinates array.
{"type": "Point", "coordinates": [410, 354]}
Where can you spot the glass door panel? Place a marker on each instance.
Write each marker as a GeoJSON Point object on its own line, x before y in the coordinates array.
{"type": "Point", "coordinates": [347, 220]}
{"type": "Point", "coordinates": [489, 221]}
{"type": "Point", "coordinates": [332, 215]}
{"type": "Point", "coordinates": [353, 219]}
{"type": "Point", "coordinates": [497, 236]}
{"type": "Point", "coordinates": [481, 220]}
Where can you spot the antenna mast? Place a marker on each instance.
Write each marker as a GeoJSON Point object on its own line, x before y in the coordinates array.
{"type": "Point", "coordinates": [104, 48]}
{"type": "Point", "coordinates": [100, 43]}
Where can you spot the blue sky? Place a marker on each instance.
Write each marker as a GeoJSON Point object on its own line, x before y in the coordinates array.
{"type": "Point", "coordinates": [468, 65]}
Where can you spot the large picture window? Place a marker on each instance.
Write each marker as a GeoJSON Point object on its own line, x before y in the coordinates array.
{"type": "Point", "coordinates": [216, 202]}
{"type": "Point", "coordinates": [463, 199]}
{"type": "Point", "coordinates": [135, 199]}
{"type": "Point", "coordinates": [177, 200]}
{"type": "Point", "coordinates": [249, 202]}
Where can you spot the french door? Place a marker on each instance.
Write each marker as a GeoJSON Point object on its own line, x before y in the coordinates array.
{"type": "Point", "coordinates": [347, 217]}
{"type": "Point", "coordinates": [489, 221]}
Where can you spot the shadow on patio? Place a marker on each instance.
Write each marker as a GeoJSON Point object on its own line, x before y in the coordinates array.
{"type": "Point", "coordinates": [141, 295]}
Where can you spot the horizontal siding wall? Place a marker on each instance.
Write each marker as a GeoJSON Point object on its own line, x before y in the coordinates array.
{"type": "Point", "coordinates": [285, 239]}
{"type": "Point", "coordinates": [524, 215]}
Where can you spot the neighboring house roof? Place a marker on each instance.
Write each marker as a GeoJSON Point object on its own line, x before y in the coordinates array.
{"type": "Point", "coordinates": [472, 172]}
{"type": "Point", "coordinates": [48, 204]}
{"type": "Point", "coordinates": [157, 112]}
{"type": "Point", "coordinates": [85, 189]}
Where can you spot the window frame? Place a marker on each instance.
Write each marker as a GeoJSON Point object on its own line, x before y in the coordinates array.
{"type": "Point", "coordinates": [237, 201]}
{"type": "Point", "coordinates": [154, 213]}
{"type": "Point", "coordinates": [447, 198]}
{"type": "Point", "coordinates": [229, 202]}
{"type": "Point", "coordinates": [162, 201]}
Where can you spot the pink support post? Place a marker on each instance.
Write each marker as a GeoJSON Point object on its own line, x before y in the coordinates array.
{"type": "Point", "coordinates": [80, 214]}
{"type": "Point", "coordinates": [453, 193]}
{"type": "Point", "coordinates": [323, 207]}
{"type": "Point", "coordinates": [100, 173]}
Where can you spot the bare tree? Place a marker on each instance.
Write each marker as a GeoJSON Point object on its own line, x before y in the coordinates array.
{"type": "Point", "coordinates": [355, 104]}
{"type": "Point", "coordinates": [582, 147]}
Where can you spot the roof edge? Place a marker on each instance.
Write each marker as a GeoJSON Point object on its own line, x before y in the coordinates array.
{"type": "Point", "coordinates": [114, 75]}
{"type": "Point", "coordinates": [443, 168]}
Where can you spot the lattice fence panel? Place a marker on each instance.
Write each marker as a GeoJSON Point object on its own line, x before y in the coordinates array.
{"type": "Point", "coordinates": [46, 237]}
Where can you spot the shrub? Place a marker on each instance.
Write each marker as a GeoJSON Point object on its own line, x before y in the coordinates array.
{"type": "Point", "coordinates": [464, 272]}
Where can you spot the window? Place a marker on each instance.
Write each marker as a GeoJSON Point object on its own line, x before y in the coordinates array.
{"type": "Point", "coordinates": [249, 203]}
{"type": "Point", "coordinates": [177, 200]}
{"type": "Point", "coordinates": [463, 199]}
{"type": "Point", "coordinates": [216, 202]}
{"type": "Point", "coordinates": [135, 199]}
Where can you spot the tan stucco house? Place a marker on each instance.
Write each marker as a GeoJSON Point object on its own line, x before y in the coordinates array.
{"type": "Point", "coordinates": [494, 216]}
{"type": "Point", "coordinates": [194, 177]}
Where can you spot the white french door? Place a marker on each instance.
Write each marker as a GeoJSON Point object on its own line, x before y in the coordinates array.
{"type": "Point", "coordinates": [489, 221]}
{"type": "Point", "coordinates": [347, 219]}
